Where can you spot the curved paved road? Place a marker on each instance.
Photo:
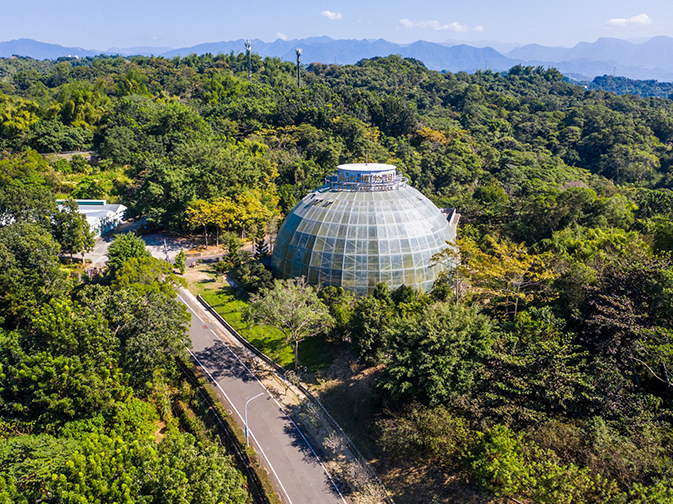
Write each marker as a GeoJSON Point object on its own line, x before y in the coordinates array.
{"type": "Point", "coordinates": [296, 472]}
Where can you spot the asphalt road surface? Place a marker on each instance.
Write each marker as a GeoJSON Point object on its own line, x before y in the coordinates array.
{"type": "Point", "coordinates": [296, 472]}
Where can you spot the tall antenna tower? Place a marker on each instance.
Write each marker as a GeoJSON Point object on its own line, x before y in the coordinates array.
{"type": "Point", "coordinates": [248, 50]}
{"type": "Point", "coordinates": [298, 51]}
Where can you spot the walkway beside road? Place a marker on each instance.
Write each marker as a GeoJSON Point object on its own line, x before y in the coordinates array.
{"type": "Point", "coordinates": [296, 471]}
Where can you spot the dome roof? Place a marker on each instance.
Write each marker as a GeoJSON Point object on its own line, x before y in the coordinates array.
{"type": "Point", "coordinates": [364, 226]}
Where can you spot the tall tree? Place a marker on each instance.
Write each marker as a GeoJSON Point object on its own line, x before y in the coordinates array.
{"type": "Point", "coordinates": [293, 307]}
{"type": "Point", "coordinates": [71, 230]}
{"type": "Point", "coordinates": [123, 248]}
{"type": "Point", "coordinates": [30, 274]}
{"type": "Point", "coordinates": [435, 355]}
{"type": "Point", "coordinates": [504, 272]}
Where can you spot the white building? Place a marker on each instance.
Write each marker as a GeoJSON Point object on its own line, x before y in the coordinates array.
{"type": "Point", "coordinates": [100, 216]}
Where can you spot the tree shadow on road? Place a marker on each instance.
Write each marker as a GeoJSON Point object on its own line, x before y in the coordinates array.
{"type": "Point", "coordinates": [221, 363]}
{"type": "Point", "coordinates": [347, 472]}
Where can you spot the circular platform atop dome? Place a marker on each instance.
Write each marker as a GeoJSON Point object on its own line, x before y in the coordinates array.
{"type": "Point", "coordinates": [365, 177]}
{"type": "Point", "coordinates": [366, 167]}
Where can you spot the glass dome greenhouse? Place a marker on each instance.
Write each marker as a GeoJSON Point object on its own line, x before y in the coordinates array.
{"type": "Point", "coordinates": [364, 226]}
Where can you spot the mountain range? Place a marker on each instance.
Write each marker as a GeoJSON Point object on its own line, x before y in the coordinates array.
{"type": "Point", "coordinates": [651, 59]}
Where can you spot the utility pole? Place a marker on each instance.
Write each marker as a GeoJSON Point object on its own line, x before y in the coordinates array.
{"type": "Point", "coordinates": [298, 51]}
{"type": "Point", "coordinates": [248, 50]}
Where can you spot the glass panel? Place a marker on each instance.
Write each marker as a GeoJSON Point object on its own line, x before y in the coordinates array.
{"type": "Point", "coordinates": [338, 261]}
{"type": "Point", "coordinates": [385, 263]}
{"type": "Point", "coordinates": [360, 278]}
{"type": "Point", "coordinates": [325, 275]}
{"type": "Point", "coordinates": [326, 261]}
{"type": "Point", "coordinates": [394, 246]}
{"type": "Point", "coordinates": [319, 244]}
{"type": "Point", "coordinates": [336, 277]}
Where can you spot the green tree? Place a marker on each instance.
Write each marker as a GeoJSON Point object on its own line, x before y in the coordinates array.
{"type": "Point", "coordinates": [180, 261]}
{"type": "Point", "coordinates": [294, 308]}
{"type": "Point", "coordinates": [368, 327]}
{"type": "Point", "coordinates": [71, 230]}
{"type": "Point", "coordinates": [505, 272]}
{"type": "Point", "coordinates": [123, 248]}
{"type": "Point", "coordinates": [30, 273]}
{"type": "Point", "coordinates": [148, 274]}
{"type": "Point", "coordinates": [434, 356]}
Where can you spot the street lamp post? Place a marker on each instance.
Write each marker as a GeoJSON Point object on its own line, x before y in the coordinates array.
{"type": "Point", "coordinates": [247, 443]}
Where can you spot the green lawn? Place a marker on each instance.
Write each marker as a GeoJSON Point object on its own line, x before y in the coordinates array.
{"type": "Point", "coordinates": [313, 352]}
{"type": "Point", "coordinates": [267, 339]}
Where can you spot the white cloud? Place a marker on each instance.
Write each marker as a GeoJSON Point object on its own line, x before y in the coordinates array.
{"type": "Point", "coordinates": [281, 36]}
{"type": "Point", "coordinates": [639, 20]}
{"type": "Point", "coordinates": [331, 15]}
{"type": "Point", "coordinates": [478, 28]}
{"type": "Point", "coordinates": [435, 25]}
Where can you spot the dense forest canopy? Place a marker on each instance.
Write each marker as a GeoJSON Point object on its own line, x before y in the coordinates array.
{"type": "Point", "coordinates": [540, 368]}
{"type": "Point", "coordinates": [624, 85]}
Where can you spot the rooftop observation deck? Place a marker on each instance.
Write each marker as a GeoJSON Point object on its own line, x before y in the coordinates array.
{"type": "Point", "coordinates": [365, 177]}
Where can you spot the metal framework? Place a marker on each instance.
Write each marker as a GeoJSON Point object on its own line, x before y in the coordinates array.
{"type": "Point", "coordinates": [248, 50]}
{"type": "Point", "coordinates": [298, 52]}
{"type": "Point", "coordinates": [356, 234]}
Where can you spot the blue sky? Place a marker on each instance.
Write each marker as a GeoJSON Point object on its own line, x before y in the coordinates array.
{"type": "Point", "coordinates": [98, 24]}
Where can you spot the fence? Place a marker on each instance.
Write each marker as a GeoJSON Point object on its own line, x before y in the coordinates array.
{"type": "Point", "coordinates": [259, 491]}
{"type": "Point", "coordinates": [280, 372]}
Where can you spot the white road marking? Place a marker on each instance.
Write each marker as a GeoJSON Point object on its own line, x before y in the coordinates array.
{"type": "Point", "coordinates": [252, 434]}
{"type": "Point", "coordinates": [284, 411]}
{"type": "Point", "coordinates": [190, 308]}
{"type": "Point", "coordinates": [274, 399]}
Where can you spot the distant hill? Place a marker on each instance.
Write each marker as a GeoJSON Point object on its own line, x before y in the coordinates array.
{"type": "Point", "coordinates": [41, 50]}
{"type": "Point", "coordinates": [649, 60]}
{"type": "Point", "coordinates": [138, 51]}
{"type": "Point", "coordinates": [622, 86]}
{"type": "Point", "coordinates": [326, 50]}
